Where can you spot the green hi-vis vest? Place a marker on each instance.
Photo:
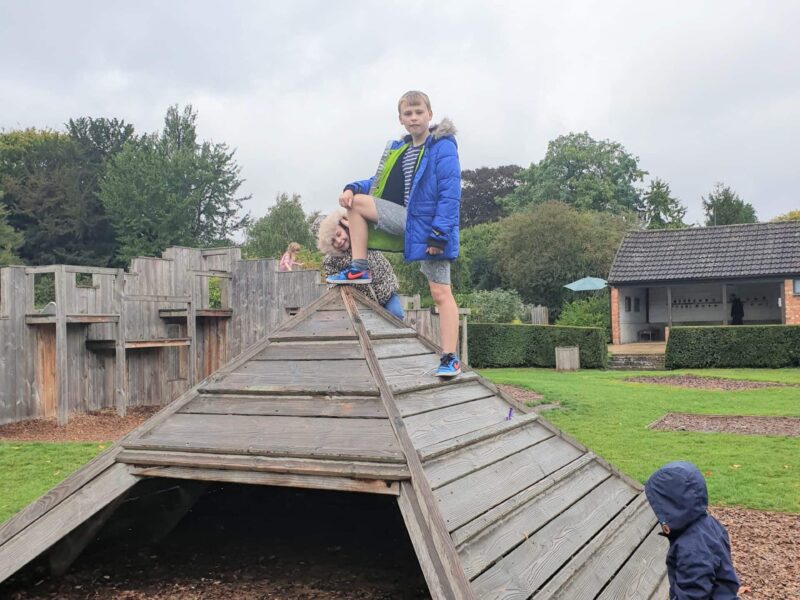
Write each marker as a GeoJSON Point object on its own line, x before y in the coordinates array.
{"type": "Point", "coordinates": [377, 239]}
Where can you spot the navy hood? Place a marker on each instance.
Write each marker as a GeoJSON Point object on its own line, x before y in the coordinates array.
{"type": "Point", "coordinates": [678, 495]}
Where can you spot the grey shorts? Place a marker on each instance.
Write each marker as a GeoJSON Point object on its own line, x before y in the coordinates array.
{"type": "Point", "coordinates": [392, 219]}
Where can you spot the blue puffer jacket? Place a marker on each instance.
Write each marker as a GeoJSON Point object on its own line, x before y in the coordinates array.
{"type": "Point", "coordinates": [699, 558]}
{"type": "Point", "coordinates": [435, 197]}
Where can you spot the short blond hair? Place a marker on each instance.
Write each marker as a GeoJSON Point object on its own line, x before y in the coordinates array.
{"type": "Point", "coordinates": [413, 98]}
{"type": "Point", "coordinates": [327, 229]}
{"type": "Point", "coordinates": [293, 247]}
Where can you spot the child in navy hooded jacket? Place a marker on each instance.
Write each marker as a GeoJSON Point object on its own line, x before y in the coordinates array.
{"type": "Point", "coordinates": [699, 562]}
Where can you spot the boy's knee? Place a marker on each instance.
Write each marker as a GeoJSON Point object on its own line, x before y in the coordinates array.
{"type": "Point", "coordinates": [440, 292]}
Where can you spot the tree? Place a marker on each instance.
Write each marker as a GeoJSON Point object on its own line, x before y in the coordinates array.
{"type": "Point", "coordinates": [284, 222]}
{"type": "Point", "coordinates": [582, 172]}
{"type": "Point", "coordinates": [480, 190]}
{"type": "Point", "coordinates": [792, 215]}
{"type": "Point", "coordinates": [588, 311]}
{"type": "Point", "coordinates": [474, 252]}
{"type": "Point", "coordinates": [168, 188]}
{"type": "Point", "coordinates": [540, 250]}
{"type": "Point", "coordinates": [659, 209]}
{"type": "Point", "coordinates": [10, 239]}
{"type": "Point", "coordinates": [724, 207]}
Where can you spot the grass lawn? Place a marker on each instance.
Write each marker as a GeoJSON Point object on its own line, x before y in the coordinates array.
{"type": "Point", "coordinates": [29, 469]}
{"type": "Point", "coordinates": [611, 416]}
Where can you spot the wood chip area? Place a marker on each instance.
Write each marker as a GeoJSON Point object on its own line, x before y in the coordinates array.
{"type": "Point", "coordinates": [100, 426]}
{"type": "Point", "coordinates": [783, 426]}
{"type": "Point", "coordinates": [705, 383]}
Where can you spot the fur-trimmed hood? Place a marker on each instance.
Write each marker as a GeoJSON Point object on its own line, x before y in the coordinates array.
{"type": "Point", "coordinates": [444, 129]}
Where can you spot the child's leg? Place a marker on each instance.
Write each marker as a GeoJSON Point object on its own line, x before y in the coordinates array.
{"type": "Point", "coordinates": [360, 214]}
{"type": "Point", "coordinates": [448, 315]}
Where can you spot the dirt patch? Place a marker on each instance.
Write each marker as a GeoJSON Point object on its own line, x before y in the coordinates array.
{"type": "Point", "coordinates": [527, 397]}
{"type": "Point", "coordinates": [99, 426]}
{"type": "Point", "coordinates": [705, 383]}
{"type": "Point", "coordinates": [784, 426]}
{"type": "Point", "coordinates": [766, 552]}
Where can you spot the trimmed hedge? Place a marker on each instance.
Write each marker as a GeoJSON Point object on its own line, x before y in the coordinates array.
{"type": "Point", "coordinates": [519, 345]}
{"type": "Point", "coordinates": [767, 346]}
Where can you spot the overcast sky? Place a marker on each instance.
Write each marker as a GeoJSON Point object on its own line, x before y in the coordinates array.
{"type": "Point", "coordinates": [306, 91]}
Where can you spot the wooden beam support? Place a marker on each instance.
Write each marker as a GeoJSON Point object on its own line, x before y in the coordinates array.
{"type": "Point", "coordinates": [120, 358]}
{"type": "Point", "coordinates": [62, 373]}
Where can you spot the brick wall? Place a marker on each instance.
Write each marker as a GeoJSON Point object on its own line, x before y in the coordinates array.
{"type": "Point", "coordinates": [791, 304]}
{"type": "Point", "coordinates": [615, 339]}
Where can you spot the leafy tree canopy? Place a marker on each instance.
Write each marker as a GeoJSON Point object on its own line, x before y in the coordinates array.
{"type": "Point", "coordinates": [659, 209]}
{"type": "Point", "coordinates": [792, 215]}
{"type": "Point", "coordinates": [724, 207]}
{"type": "Point", "coordinates": [168, 188]}
{"type": "Point", "coordinates": [581, 172]}
{"type": "Point", "coordinates": [10, 239]}
{"type": "Point", "coordinates": [474, 253]}
{"type": "Point", "coordinates": [540, 250]}
{"type": "Point", "coordinates": [285, 222]}
{"type": "Point", "coordinates": [480, 190]}
{"type": "Point", "coordinates": [587, 311]}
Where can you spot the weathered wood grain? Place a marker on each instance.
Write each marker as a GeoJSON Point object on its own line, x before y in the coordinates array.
{"type": "Point", "coordinates": [466, 498]}
{"type": "Point", "coordinates": [268, 464]}
{"type": "Point", "coordinates": [521, 572]}
{"type": "Point", "coordinates": [409, 371]}
{"type": "Point", "coordinates": [288, 406]}
{"type": "Point", "coordinates": [314, 350]}
{"type": "Point", "coordinates": [66, 516]}
{"type": "Point", "coordinates": [477, 456]}
{"type": "Point", "coordinates": [452, 421]}
{"type": "Point", "coordinates": [595, 565]}
{"type": "Point", "coordinates": [342, 484]}
{"type": "Point", "coordinates": [435, 398]}
{"type": "Point", "coordinates": [644, 574]}
{"type": "Point", "coordinates": [315, 437]}
{"type": "Point", "coordinates": [376, 324]}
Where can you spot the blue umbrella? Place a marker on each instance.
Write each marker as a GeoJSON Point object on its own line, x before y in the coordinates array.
{"type": "Point", "coordinates": [586, 284]}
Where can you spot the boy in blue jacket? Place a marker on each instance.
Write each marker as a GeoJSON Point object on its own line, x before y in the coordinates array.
{"type": "Point", "coordinates": [416, 194]}
{"type": "Point", "coordinates": [699, 562]}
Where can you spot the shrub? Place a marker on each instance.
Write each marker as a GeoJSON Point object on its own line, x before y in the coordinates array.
{"type": "Point", "coordinates": [593, 311]}
{"type": "Point", "coordinates": [508, 345]}
{"type": "Point", "coordinates": [767, 346]}
{"type": "Point", "coordinates": [496, 306]}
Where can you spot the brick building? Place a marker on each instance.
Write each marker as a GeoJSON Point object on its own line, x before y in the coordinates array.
{"type": "Point", "coordinates": [662, 278]}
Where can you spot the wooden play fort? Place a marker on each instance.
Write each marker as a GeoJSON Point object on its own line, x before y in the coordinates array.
{"type": "Point", "coordinates": [498, 503]}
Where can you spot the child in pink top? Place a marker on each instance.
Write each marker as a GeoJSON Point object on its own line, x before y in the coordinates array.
{"type": "Point", "coordinates": [288, 258]}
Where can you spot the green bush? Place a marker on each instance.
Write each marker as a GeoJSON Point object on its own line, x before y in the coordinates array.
{"type": "Point", "coordinates": [593, 311]}
{"type": "Point", "coordinates": [513, 345]}
{"type": "Point", "coordinates": [496, 306]}
{"type": "Point", "coordinates": [766, 346]}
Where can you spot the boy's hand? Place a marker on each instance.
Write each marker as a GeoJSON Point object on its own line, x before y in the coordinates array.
{"type": "Point", "coordinates": [346, 199]}
{"type": "Point", "coordinates": [432, 250]}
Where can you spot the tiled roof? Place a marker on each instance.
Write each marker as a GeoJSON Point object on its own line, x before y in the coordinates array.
{"type": "Point", "coordinates": [728, 251]}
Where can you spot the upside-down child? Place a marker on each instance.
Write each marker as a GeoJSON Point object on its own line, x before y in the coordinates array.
{"type": "Point", "coordinates": [419, 198]}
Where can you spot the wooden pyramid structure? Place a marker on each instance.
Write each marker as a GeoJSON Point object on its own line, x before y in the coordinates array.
{"type": "Point", "coordinates": [498, 503]}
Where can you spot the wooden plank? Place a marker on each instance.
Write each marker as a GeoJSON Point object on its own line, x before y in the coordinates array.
{"type": "Point", "coordinates": [350, 377]}
{"type": "Point", "coordinates": [587, 572]}
{"type": "Point", "coordinates": [521, 572]}
{"type": "Point", "coordinates": [303, 466]}
{"type": "Point", "coordinates": [522, 517]}
{"type": "Point", "coordinates": [322, 324]}
{"type": "Point", "coordinates": [473, 437]}
{"type": "Point", "coordinates": [288, 406]}
{"type": "Point", "coordinates": [342, 484]}
{"type": "Point", "coordinates": [440, 397]}
{"type": "Point", "coordinates": [62, 373]}
{"type": "Point", "coordinates": [409, 371]}
{"type": "Point", "coordinates": [477, 456]}
{"type": "Point", "coordinates": [644, 573]}
{"type": "Point", "coordinates": [376, 324]}
{"type": "Point", "coordinates": [87, 319]}
{"type": "Point", "coordinates": [315, 350]}
{"type": "Point", "coordinates": [450, 422]}
{"type": "Point", "coordinates": [313, 437]}
{"type": "Point", "coordinates": [466, 498]}
{"type": "Point", "coordinates": [45, 370]}
{"type": "Point", "coordinates": [162, 343]}
{"type": "Point", "coordinates": [120, 357]}
{"type": "Point", "coordinates": [69, 514]}
{"type": "Point", "coordinates": [427, 556]}
{"type": "Point", "coordinates": [435, 529]}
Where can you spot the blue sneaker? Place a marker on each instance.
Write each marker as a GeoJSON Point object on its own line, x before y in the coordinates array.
{"type": "Point", "coordinates": [351, 276]}
{"type": "Point", "coordinates": [450, 366]}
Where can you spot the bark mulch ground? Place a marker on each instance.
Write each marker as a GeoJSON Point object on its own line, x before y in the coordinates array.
{"type": "Point", "coordinates": [785, 426]}
{"type": "Point", "coordinates": [528, 397]}
{"type": "Point", "coordinates": [705, 383]}
{"type": "Point", "coordinates": [100, 426]}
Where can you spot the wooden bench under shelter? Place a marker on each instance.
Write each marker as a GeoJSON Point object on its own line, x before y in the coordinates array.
{"type": "Point", "coordinates": [498, 503]}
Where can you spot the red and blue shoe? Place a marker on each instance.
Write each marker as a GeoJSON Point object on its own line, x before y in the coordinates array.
{"type": "Point", "coordinates": [351, 276]}
{"type": "Point", "coordinates": [449, 366]}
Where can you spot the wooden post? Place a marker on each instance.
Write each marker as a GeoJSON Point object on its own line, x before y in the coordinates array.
{"type": "Point", "coordinates": [191, 331]}
{"type": "Point", "coordinates": [724, 303]}
{"type": "Point", "coordinates": [464, 346]}
{"type": "Point", "coordinates": [669, 306]}
{"type": "Point", "coordinates": [120, 358]}
{"type": "Point", "coordinates": [62, 398]}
